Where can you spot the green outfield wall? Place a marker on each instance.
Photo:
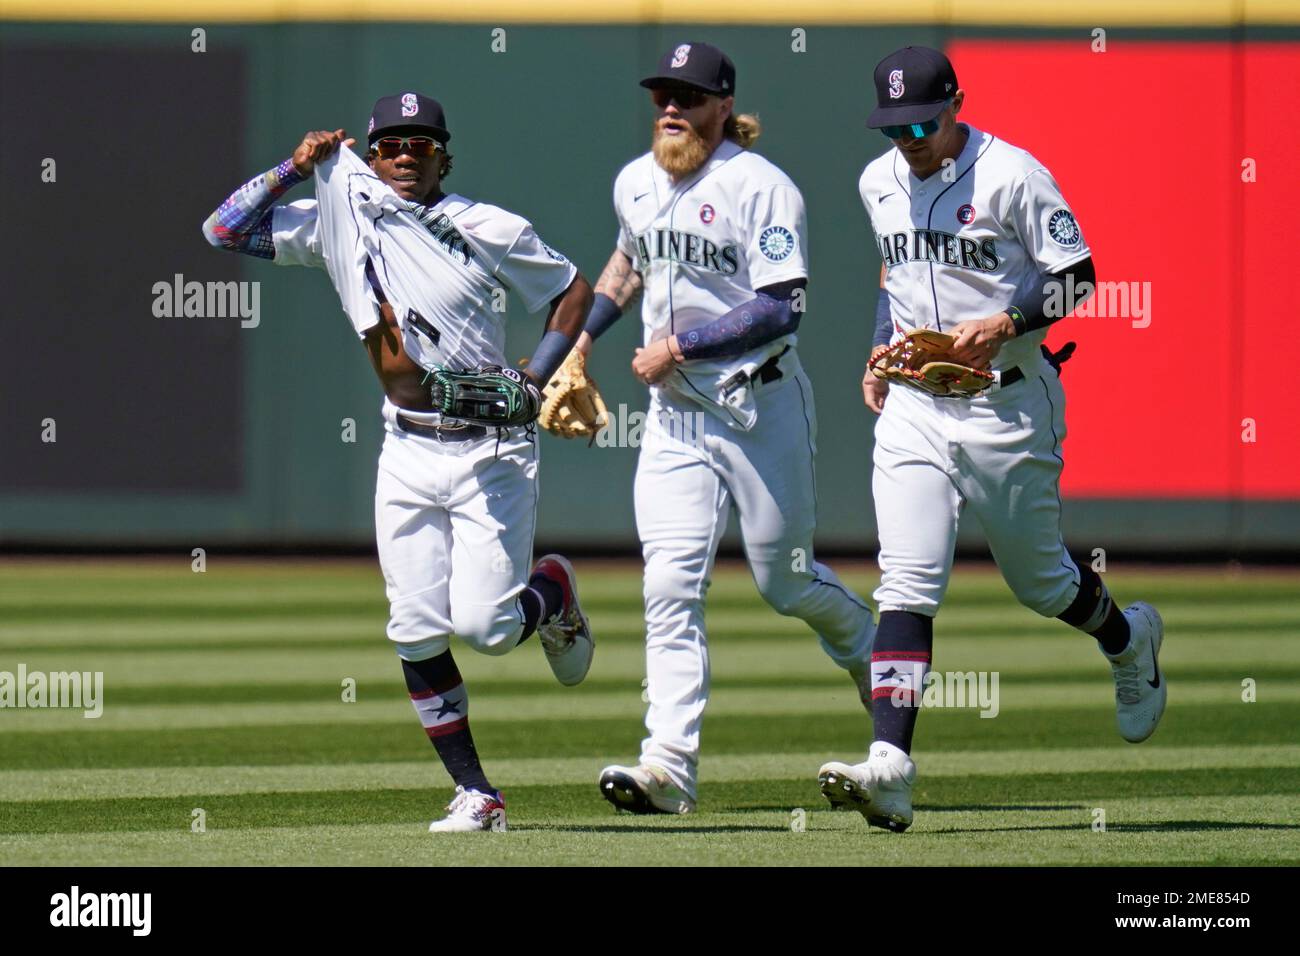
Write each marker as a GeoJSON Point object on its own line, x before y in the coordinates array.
{"type": "Point", "coordinates": [201, 431]}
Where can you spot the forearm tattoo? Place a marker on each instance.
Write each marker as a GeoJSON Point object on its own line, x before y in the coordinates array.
{"type": "Point", "coordinates": [619, 280]}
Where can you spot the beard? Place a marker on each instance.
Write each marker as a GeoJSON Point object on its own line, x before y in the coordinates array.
{"type": "Point", "coordinates": [682, 154]}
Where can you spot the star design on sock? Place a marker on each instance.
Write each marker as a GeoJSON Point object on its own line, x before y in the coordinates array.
{"type": "Point", "coordinates": [446, 708]}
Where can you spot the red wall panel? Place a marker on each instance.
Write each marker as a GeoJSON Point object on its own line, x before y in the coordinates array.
{"type": "Point", "coordinates": [1146, 141]}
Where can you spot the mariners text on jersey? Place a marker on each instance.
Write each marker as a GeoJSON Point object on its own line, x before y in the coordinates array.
{"type": "Point", "coordinates": [932, 245]}
{"type": "Point", "coordinates": [443, 230]}
{"type": "Point", "coordinates": [686, 247]}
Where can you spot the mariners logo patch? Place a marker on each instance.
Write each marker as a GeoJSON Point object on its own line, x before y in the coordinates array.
{"type": "Point", "coordinates": [680, 56]}
{"type": "Point", "coordinates": [1062, 228]}
{"type": "Point", "coordinates": [410, 104]}
{"type": "Point", "coordinates": [895, 84]}
{"type": "Point", "coordinates": [776, 243]}
{"type": "Point", "coordinates": [707, 214]}
{"type": "Point", "coordinates": [966, 214]}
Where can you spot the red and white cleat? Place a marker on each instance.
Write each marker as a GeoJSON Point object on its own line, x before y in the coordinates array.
{"type": "Point", "coordinates": [566, 637]}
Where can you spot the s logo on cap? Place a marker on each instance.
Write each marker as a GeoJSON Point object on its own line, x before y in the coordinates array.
{"type": "Point", "coordinates": [680, 55]}
{"type": "Point", "coordinates": [410, 104]}
{"type": "Point", "coordinates": [895, 84]}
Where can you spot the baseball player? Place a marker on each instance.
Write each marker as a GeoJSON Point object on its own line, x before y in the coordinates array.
{"type": "Point", "coordinates": [418, 271]}
{"type": "Point", "coordinates": [977, 243]}
{"type": "Point", "coordinates": [716, 237]}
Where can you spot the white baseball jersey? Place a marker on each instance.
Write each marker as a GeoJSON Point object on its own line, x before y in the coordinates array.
{"type": "Point", "coordinates": [442, 279]}
{"type": "Point", "coordinates": [703, 245]}
{"type": "Point", "coordinates": [968, 248]}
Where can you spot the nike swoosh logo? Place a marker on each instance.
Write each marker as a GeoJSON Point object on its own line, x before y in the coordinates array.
{"type": "Point", "coordinates": [886, 196]}
{"type": "Point", "coordinates": [640, 197]}
{"type": "Point", "coordinates": [1155, 683]}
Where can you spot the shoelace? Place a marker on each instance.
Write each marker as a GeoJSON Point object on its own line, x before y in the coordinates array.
{"type": "Point", "coordinates": [1127, 677]}
{"type": "Point", "coordinates": [461, 803]}
{"type": "Point", "coordinates": [559, 633]}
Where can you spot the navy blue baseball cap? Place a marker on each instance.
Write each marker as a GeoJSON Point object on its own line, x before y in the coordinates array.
{"type": "Point", "coordinates": [408, 111]}
{"type": "Point", "coordinates": [700, 65]}
{"type": "Point", "coordinates": [912, 86]}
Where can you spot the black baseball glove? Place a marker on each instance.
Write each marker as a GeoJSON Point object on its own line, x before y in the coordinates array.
{"type": "Point", "coordinates": [493, 396]}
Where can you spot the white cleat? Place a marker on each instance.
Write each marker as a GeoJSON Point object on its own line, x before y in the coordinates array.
{"type": "Point", "coordinates": [1140, 688]}
{"type": "Point", "coordinates": [880, 788]}
{"type": "Point", "coordinates": [471, 810]}
{"type": "Point", "coordinates": [566, 637]}
{"type": "Point", "coordinates": [644, 789]}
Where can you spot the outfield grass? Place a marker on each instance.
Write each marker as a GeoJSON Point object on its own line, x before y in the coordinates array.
{"type": "Point", "coordinates": [223, 691]}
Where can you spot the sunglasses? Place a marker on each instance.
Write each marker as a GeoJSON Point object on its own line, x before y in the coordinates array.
{"type": "Point", "coordinates": [686, 98]}
{"type": "Point", "coordinates": [917, 130]}
{"type": "Point", "coordinates": [420, 146]}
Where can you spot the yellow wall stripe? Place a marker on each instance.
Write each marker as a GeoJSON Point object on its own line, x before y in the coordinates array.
{"type": "Point", "coordinates": [1029, 13]}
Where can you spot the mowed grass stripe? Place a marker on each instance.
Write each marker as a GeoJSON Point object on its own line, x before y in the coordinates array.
{"type": "Point", "coordinates": [833, 733]}
{"type": "Point", "coordinates": [1166, 831]}
{"type": "Point", "coordinates": [40, 620]}
{"type": "Point", "coordinates": [341, 632]}
{"type": "Point", "coordinates": [733, 658]}
{"type": "Point", "coordinates": [753, 702]}
{"type": "Point", "coordinates": [305, 807]}
{"type": "Point", "coordinates": [520, 771]}
{"type": "Point", "coordinates": [485, 687]}
{"type": "Point", "coordinates": [25, 583]}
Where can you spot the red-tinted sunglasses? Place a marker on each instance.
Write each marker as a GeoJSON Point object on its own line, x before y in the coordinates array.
{"type": "Point", "coordinates": [418, 146]}
{"type": "Point", "coordinates": [685, 97]}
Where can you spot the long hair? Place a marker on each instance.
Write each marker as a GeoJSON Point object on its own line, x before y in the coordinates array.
{"type": "Point", "coordinates": [743, 129]}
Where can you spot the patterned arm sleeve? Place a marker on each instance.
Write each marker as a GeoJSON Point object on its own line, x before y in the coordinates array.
{"type": "Point", "coordinates": [768, 316]}
{"type": "Point", "coordinates": [243, 222]}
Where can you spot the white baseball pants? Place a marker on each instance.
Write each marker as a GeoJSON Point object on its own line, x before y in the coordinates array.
{"type": "Point", "coordinates": [454, 523]}
{"type": "Point", "coordinates": [998, 455]}
{"type": "Point", "coordinates": [686, 479]}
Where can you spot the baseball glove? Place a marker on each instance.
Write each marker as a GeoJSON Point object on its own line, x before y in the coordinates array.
{"type": "Point", "coordinates": [572, 406]}
{"type": "Point", "coordinates": [923, 359]}
{"type": "Point", "coordinates": [493, 396]}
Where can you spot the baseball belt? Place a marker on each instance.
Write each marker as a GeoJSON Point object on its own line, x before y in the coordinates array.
{"type": "Point", "coordinates": [769, 371]}
{"type": "Point", "coordinates": [445, 433]}
{"type": "Point", "coordinates": [1054, 359]}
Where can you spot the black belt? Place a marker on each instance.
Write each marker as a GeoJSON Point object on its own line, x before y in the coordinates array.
{"type": "Point", "coordinates": [769, 371]}
{"type": "Point", "coordinates": [1055, 359]}
{"type": "Point", "coordinates": [440, 432]}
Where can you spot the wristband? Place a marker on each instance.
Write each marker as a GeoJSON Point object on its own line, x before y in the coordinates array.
{"type": "Point", "coordinates": [549, 355]}
{"type": "Point", "coordinates": [1018, 320]}
{"type": "Point", "coordinates": [604, 313]}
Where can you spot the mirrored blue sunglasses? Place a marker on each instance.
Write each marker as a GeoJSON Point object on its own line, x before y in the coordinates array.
{"type": "Point", "coordinates": [916, 130]}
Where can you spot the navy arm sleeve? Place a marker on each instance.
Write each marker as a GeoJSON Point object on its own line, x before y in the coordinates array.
{"type": "Point", "coordinates": [884, 324]}
{"type": "Point", "coordinates": [1039, 307]}
{"type": "Point", "coordinates": [769, 315]}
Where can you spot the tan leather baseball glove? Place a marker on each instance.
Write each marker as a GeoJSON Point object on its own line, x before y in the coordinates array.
{"type": "Point", "coordinates": [571, 402]}
{"type": "Point", "coordinates": [923, 359]}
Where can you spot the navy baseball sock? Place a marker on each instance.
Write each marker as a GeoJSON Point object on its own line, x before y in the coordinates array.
{"type": "Point", "coordinates": [1093, 612]}
{"type": "Point", "coordinates": [538, 602]}
{"type": "Point", "coordinates": [899, 661]}
{"type": "Point", "coordinates": [442, 704]}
